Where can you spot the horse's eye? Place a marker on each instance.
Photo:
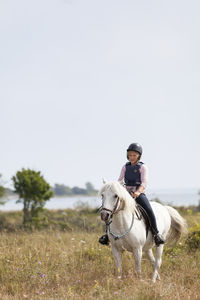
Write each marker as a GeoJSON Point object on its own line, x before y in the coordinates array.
{"type": "Point", "coordinates": [102, 196]}
{"type": "Point", "coordinates": [115, 196]}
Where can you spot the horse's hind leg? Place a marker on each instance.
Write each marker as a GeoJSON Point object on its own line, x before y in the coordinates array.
{"type": "Point", "coordinates": [151, 257]}
{"type": "Point", "coordinates": [158, 261]}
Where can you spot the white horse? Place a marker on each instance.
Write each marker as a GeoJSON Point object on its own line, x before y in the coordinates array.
{"type": "Point", "coordinates": [128, 232]}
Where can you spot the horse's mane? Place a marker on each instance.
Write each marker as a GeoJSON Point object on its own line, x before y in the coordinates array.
{"type": "Point", "coordinates": [121, 192]}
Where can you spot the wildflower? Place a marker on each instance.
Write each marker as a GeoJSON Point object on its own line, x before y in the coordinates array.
{"type": "Point", "coordinates": [39, 262]}
{"type": "Point", "coordinates": [70, 291]}
{"type": "Point", "coordinates": [115, 293]}
{"type": "Point", "coordinates": [57, 276]}
{"type": "Point", "coordinates": [41, 275]}
{"type": "Point", "coordinates": [96, 286]}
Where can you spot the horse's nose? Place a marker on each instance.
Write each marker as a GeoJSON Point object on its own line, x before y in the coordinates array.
{"type": "Point", "coordinates": [104, 215]}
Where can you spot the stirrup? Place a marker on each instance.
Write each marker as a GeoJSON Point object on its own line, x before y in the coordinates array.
{"type": "Point", "coordinates": [104, 240]}
{"type": "Point", "coordinates": [158, 239]}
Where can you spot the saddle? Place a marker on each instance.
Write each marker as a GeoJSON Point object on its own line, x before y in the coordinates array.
{"type": "Point", "coordinates": [142, 214]}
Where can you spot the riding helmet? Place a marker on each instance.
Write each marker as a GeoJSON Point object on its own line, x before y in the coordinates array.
{"type": "Point", "coordinates": [135, 147]}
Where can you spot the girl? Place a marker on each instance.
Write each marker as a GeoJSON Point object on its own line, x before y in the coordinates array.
{"type": "Point", "coordinates": [134, 175]}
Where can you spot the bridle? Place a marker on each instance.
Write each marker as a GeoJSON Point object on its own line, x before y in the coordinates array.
{"type": "Point", "coordinates": [115, 210]}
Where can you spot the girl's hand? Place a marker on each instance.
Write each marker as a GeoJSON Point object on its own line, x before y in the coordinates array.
{"type": "Point", "coordinates": [136, 194]}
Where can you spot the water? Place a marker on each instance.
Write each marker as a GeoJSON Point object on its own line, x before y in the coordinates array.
{"type": "Point", "coordinates": [176, 198]}
{"type": "Point", "coordinates": [56, 203]}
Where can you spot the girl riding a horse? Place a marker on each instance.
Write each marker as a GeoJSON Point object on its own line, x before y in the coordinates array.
{"type": "Point", "coordinates": [134, 175]}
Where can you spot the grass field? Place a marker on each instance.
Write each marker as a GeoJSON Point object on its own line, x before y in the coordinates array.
{"type": "Point", "coordinates": [70, 264]}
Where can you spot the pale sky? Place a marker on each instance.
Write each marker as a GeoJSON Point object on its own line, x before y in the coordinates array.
{"type": "Point", "coordinates": [81, 80]}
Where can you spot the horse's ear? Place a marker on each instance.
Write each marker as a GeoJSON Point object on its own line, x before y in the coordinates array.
{"type": "Point", "coordinates": [104, 181]}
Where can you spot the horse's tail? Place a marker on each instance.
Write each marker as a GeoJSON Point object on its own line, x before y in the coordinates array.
{"type": "Point", "coordinates": [178, 225]}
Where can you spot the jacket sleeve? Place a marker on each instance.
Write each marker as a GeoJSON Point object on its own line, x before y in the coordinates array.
{"type": "Point", "coordinates": [122, 174]}
{"type": "Point", "coordinates": [144, 175]}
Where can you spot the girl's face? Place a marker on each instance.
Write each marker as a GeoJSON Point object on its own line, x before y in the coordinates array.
{"type": "Point", "coordinates": [133, 156]}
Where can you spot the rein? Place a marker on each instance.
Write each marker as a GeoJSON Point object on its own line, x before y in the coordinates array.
{"type": "Point", "coordinates": [117, 237]}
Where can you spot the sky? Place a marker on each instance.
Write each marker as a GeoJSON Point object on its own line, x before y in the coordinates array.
{"type": "Point", "coordinates": [81, 80]}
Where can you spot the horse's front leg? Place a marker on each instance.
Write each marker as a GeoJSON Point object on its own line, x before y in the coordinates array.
{"type": "Point", "coordinates": [118, 260]}
{"type": "Point", "coordinates": [137, 253]}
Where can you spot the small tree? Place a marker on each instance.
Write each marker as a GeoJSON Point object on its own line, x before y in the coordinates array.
{"type": "Point", "coordinates": [2, 191]}
{"type": "Point", "coordinates": [198, 206]}
{"type": "Point", "coordinates": [33, 192]}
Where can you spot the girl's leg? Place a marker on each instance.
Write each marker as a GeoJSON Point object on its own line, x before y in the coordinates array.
{"type": "Point", "coordinates": [144, 202]}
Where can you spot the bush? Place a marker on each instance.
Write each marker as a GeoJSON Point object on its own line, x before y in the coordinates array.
{"type": "Point", "coordinates": [193, 239]}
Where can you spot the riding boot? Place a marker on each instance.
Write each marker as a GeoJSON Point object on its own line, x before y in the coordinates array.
{"type": "Point", "coordinates": [158, 239]}
{"type": "Point", "coordinates": [104, 240]}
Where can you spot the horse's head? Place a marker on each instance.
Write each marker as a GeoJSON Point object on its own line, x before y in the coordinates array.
{"type": "Point", "coordinates": [112, 199]}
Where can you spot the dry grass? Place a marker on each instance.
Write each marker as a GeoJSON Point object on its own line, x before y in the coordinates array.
{"type": "Point", "coordinates": [62, 265]}
{"type": "Point", "coordinates": [52, 264]}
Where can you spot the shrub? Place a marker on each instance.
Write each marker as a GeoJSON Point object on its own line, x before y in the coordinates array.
{"type": "Point", "coordinates": [193, 239]}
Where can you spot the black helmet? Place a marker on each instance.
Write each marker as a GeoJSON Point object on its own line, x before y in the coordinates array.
{"type": "Point", "coordinates": [135, 147]}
